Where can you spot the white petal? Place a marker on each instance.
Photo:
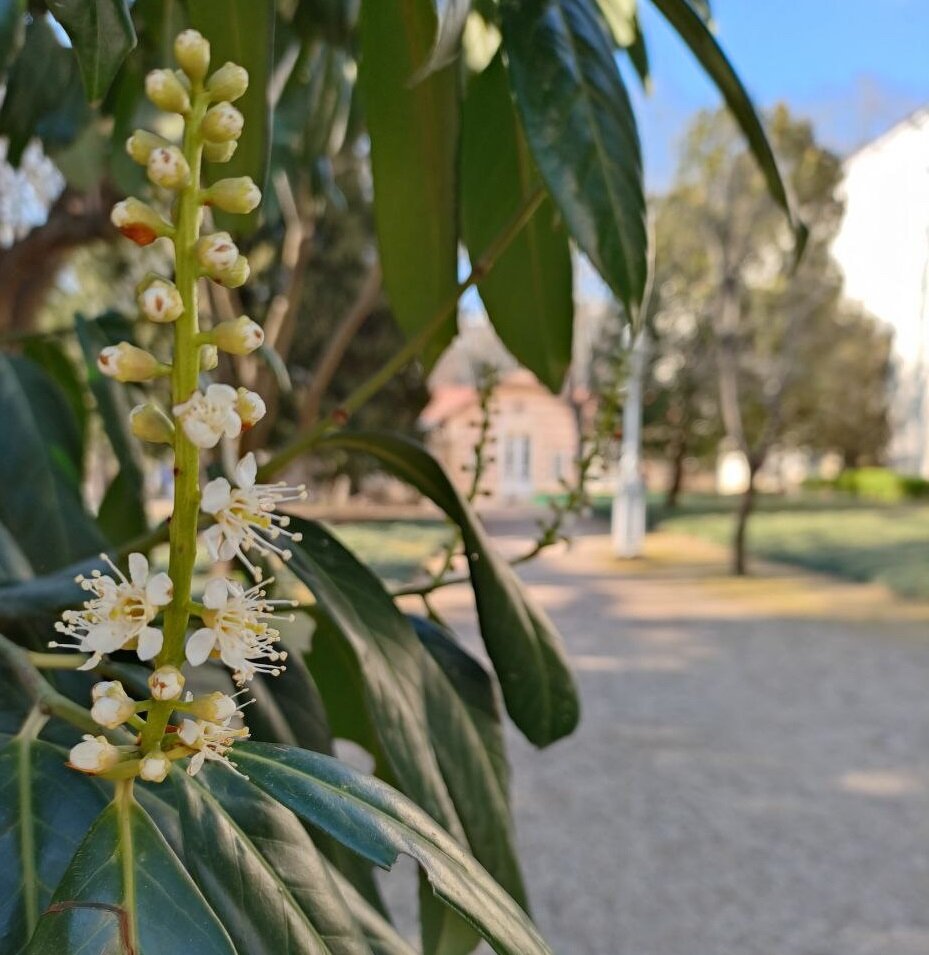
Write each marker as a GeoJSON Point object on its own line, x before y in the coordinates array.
{"type": "Point", "coordinates": [199, 646]}
{"type": "Point", "coordinates": [196, 763]}
{"type": "Point", "coordinates": [246, 471]}
{"type": "Point", "coordinates": [189, 733]}
{"type": "Point", "coordinates": [215, 594]}
{"type": "Point", "coordinates": [215, 496]}
{"type": "Point", "coordinates": [222, 394]}
{"type": "Point", "coordinates": [213, 538]}
{"type": "Point", "coordinates": [95, 658]}
{"type": "Point", "coordinates": [230, 546]}
{"type": "Point", "coordinates": [200, 433]}
{"type": "Point", "coordinates": [233, 425]}
{"type": "Point", "coordinates": [159, 590]}
{"type": "Point", "coordinates": [150, 641]}
{"type": "Point", "coordinates": [105, 638]}
{"type": "Point", "coordinates": [138, 569]}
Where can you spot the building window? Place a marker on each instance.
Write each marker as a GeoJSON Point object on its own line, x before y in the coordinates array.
{"type": "Point", "coordinates": [517, 457]}
{"type": "Point", "coordinates": [559, 466]}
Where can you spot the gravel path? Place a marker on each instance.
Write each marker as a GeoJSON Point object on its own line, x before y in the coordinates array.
{"type": "Point", "coordinates": [744, 782]}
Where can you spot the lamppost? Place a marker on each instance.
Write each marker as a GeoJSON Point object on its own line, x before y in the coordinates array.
{"type": "Point", "coordinates": [628, 511]}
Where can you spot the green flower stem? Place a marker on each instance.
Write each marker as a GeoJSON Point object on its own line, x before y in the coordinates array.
{"type": "Point", "coordinates": [184, 375]}
{"type": "Point", "coordinates": [124, 800]}
{"type": "Point", "coordinates": [57, 661]}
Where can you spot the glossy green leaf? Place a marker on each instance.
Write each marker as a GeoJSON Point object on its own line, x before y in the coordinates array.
{"type": "Point", "coordinates": [122, 511]}
{"type": "Point", "coordinates": [442, 930]}
{"type": "Point", "coordinates": [102, 35]}
{"type": "Point", "coordinates": [40, 86]}
{"type": "Point", "coordinates": [379, 823]}
{"type": "Point", "coordinates": [57, 364]}
{"type": "Point", "coordinates": [40, 458]}
{"type": "Point", "coordinates": [125, 866]}
{"type": "Point", "coordinates": [523, 644]}
{"type": "Point", "coordinates": [528, 292]}
{"type": "Point", "coordinates": [582, 132]}
{"type": "Point", "coordinates": [45, 810]}
{"type": "Point", "coordinates": [414, 153]}
{"type": "Point", "coordinates": [690, 24]}
{"type": "Point", "coordinates": [382, 937]}
{"type": "Point", "coordinates": [261, 873]}
{"type": "Point", "coordinates": [242, 31]}
{"type": "Point", "coordinates": [37, 597]}
{"type": "Point", "coordinates": [333, 20]}
{"type": "Point", "coordinates": [389, 658]}
{"type": "Point", "coordinates": [12, 29]}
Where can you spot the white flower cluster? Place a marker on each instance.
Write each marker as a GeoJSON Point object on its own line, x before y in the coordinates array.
{"type": "Point", "coordinates": [237, 625]}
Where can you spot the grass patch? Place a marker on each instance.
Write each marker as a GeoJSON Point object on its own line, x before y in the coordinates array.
{"type": "Point", "coordinates": [394, 550]}
{"type": "Point", "coordinates": [887, 544]}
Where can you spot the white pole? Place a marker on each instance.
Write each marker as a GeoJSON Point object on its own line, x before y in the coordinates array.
{"type": "Point", "coordinates": [628, 512]}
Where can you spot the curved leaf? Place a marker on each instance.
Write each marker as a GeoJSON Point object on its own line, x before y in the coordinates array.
{"type": "Point", "coordinates": [528, 291]}
{"type": "Point", "coordinates": [691, 26]}
{"type": "Point", "coordinates": [523, 644]}
{"type": "Point", "coordinates": [382, 937]}
{"type": "Point", "coordinates": [379, 823]}
{"type": "Point", "coordinates": [45, 810]}
{"type": "Point", "coordinates": [261, 872]}
{"type": "Point", "coordinates": [124, 865]}
{"type": "Point", "coordinates": [414, 153]}
{"type": "Point", "coordinates": [451, 16]}
{"type": "Point", "coordinates": [102, 35]}
{"type": "Point", "coordinates": [580, 126]}
{"type": "Point", "coordinates": [12, 29]}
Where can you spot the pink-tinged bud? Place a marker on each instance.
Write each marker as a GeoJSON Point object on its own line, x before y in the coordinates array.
{"type": "Point", "coordinates": [239, 195]}
{"type": "Point", "coordinates": [228, 83]}
{"type": "Point", "coordinates": [95, 754]}
{"type": "Point", "coordinates": [237, 275]}
{"type": "Point", "coordinates": [192, 52]}
{"type": "Point", "coordinates": [112, 706]}
{"type": "Point", "coordinates": [159, 301]}
{"type": "Point", "coordinates": [150, 423]}
{"type": "Point", "coordinates": [125, 362]}
{"type": "Point", "coordinates": [239, 336]}
{"type": "Point", "coordinates": [209, 357]}
{"type": "Point", "coordinates": [217, 253]}
{"type": "Point", "coordinates": [166, 91]}
{"type": "Point", "coordinates": [168, 168]}
{"type": "Point", "coordinates": [250, 408]}
{"type": "Point", "coordinates": [222, 123]}
{"type": "Point", "coordinates": [139, 222]}
{"type": "Point", "coordinates": [142, 143]}
{"type": "Point", "coordinates": [214, 707]}
{"type": "Point", "coordinates": [219, 152]}
{"type": "Point", "coordinates": [166, 683]}
{"type": "Point", "coordinates": [154, 767]}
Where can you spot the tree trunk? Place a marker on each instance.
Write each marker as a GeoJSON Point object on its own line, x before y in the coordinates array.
{"type": "Point", "coordinates": [677, 473]}
{"type": "Point", "coordinates": [746, 507]}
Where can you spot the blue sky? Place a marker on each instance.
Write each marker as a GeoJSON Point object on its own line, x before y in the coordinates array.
{"type": "Point", "coordinates": [852, 66]}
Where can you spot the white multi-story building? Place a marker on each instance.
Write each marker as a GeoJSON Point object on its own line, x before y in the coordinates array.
{"type": "Point", "coordinates": [883, 250]}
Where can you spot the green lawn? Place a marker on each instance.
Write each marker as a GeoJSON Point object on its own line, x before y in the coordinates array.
{"type": "Point", "coordinates": [395, 550]}
{"type": "Point", "coordinates": [867, 542]}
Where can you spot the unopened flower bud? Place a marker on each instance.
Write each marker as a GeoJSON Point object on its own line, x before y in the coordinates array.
{"type": "Point", "coordinates": [125, 362]}
{"type": "Point", "coordinates": [250, 408]}
{"type": "Point", "coordinates": [192, 52]}
{"type": "Point", "coordinates": [95, 754]}
{"type": "Point", "coordinates": [112, 706]}
{"type": "Point", "coordinates": [209, 357]}
{"type": "Point", "coordinates": [166, 683]}
{"type": "Point", "coordinates": [168, 168]}
{"type": "Point", "coordinates": [235, 276]}
{"type": "Point", "coordinates": [228, 83]}
{"type": "Point", "coordinates": [239, 195]}
{"type": "Point", "coordinates": [150, 423]}
{"type": "Point", "coordinates": [159, 300]}
{"type": "Point", "coordinates": [217, 253]}
{"type": "Point", "coordinates": [239, 336]}
{"type": "Point", "coordinates": [142, 143]}
{"type": "Point", "coordinates": [219, 152]}
{"type": "Point", "coordinates": [222, 123]}
{"type": "Point", "coordinates": [139, 222]}
{"type": "Point", "coordinates": [166, 91]}
{"type": "Point", "coordinates": [154, 767]}
{"type": "Point", "coordinates": [215, 707]}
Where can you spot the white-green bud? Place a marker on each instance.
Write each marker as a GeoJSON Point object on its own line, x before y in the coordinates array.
{"type": "Point", "coordinates": [239, 194]}
{"type": "Point", "coordinates": [192, 52]}
{"type": "Point", "coordinates": [139, 222]}
{"type": "Point", "coordinates": [166, 683]}
{"type": "Point", "coordinates": [95, 754]}
{"type": "Point", "coordinates": [250, 407]}
{"type": "Point", "coordinates": [222, 123]}
{"type": "Point", "coordinates": [216, 253]}
{"type": "Point", "coordinates": [214, 707]}
{"type": "Point", "coordinates": [219, 152]}
{"type": "Point", "coordinates": [166, 91]}
{"type": "Point", "coordinates": [142, 143]}
{"type": "Point", "coordinates": [209, 357]}
{"type": "Point", "coordinates": [236, 276]}
{"type": "Point", "coordinates": [168, 168]}
{"type": "Point", "coordinates": [154, 767]}
{"type": "Point", "coordinates": [238, 336]}
{"type": "Point", "coordinates": [228, 83]}
{"type": "Point", "coordinates": [111, 704]}
{"type": "Point", "coordinates": [149, 423]}
{"type": "Point", "coordinates": [126, 362]}
{"type": "Point", "coordinates": [159, 300]}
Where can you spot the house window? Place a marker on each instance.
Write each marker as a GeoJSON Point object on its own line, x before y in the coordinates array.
{"type": "Point", "coordinates": [517, 457]}
{"type": "Point", "coordinates": [559, 466]}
